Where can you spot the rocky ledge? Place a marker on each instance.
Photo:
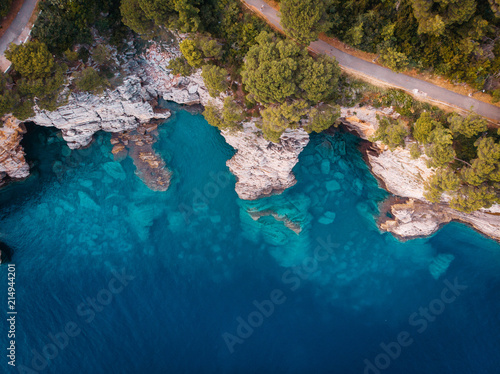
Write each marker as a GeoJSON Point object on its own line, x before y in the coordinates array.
{"type": "Point", "coordinates": [413, 216]}
{"type": "Point", "coordinates": [124, 108]}
{"type": "Point", "coordinates": [121, 109]}
{"type": "Point", "coordinates": [261, 167]}
{"type": "Point", "coordinates": [12, 161]}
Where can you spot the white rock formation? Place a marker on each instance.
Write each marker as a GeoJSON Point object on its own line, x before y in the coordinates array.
{"type": "Point", "coordinates": [114, 111]}
{"type": "Point", "coordinates": [262, 167]}
{"type": "Point", "coordinates": [127, 106]}
{"type": "Point", "coordinates": [419, 219]}
{"type": "Point", "coordinates": [12, 161]}
{"type": "Point", "coordinates": [403, 176]}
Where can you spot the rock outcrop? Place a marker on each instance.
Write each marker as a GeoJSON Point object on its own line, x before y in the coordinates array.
{"type": "Point", "coordinates": [129, 105]}
{"type": "Point", "coordinates": [12, 161]}
{"type": "Point", "coordinates": [402, 175]}
{"type": "Point", "coordinates": [123, 108]}
{"type": "Point", "coordinates": [405, 177]}
{"type": "Point", "coordinates": [415, 218]}
{"type": "Point", "coordinates": [262, 167]}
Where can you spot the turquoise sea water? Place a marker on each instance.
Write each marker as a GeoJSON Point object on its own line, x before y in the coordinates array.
{"type": "Point", "coordinates": [114, 278]}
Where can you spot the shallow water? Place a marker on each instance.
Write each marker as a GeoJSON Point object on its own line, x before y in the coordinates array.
{"type": "Point", "coordinates": [197, 264]}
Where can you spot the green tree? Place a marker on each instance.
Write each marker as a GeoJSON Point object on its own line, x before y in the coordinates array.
{"type": "Point", "coordinates": [46, 91]}
{"type": "Point", "coordinates": [70, 55]}
{"type": "Point", "coordinates": [444, 179]}
{"type": "Point", "coordinates": [180, 66]}
{"type": "Point", "coordinates": [319, 78]}
{"type": "Point", "coordinates": [181, 15]}
{"type": "Point", "coordinates": [191, 53]}
{"type": "Point", "coordinates": [322, 118]}
{"type": "Point", "coordinates": [495, 7]}
{"type": "Point", "coordinates": [63, 23]}
{"type": "Point", "coordinates": [393, 59]}
{"type": "Point", "coordinates": [24, 110]}
{"type": "Point", "coordinates": [440, 147]}
{"type": "Point", "coordinates": [279, 70]}
{"type": "Point", "coordinates": [277, 118]}
{"type": "Point", "coordinates": [423, 127]}
{"type": "Point", "coordinates": [232, 114]}
{"type": "Point", "coordinates": [229, 118]}
{"type": "Point", "coordinates": [101, 54]}
{"type": "Point", "coordinates": [355, 34]}
{"type": "Point", "coordinates": [135, 17]}
{"type": "Point", "coordinates": [89, 80]}
{"type": "Point", "coordinates": [415, 151]}
{"type": "Point", "coordinates": [8, 98]}
{"type": "Point", "coordinates": [32, 59]}
{"type": "Point", "coordinates": [215, 79]}
{"type": "Point", "coordinates": [467, 126]}
{"type": "Point", "coordinates": [434, 15]}
{"type": "Point", "coordinates": [5, 6]}
{"type": "Point", "coordinates": [391, 132]}
{"type": "Point", "coordinates": [271, 69]}
{"type": "Point", "coordinates": [210, 48]}
{"type": "Point", "coordinates": [303, 20]}
{"type": "Point", "coordinates": [471, 198]}
{"type": "Point", "coordinates": [486, 167]}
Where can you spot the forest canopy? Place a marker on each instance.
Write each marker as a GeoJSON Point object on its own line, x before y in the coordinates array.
{"type": "Point", "coordinates": [458, 39]}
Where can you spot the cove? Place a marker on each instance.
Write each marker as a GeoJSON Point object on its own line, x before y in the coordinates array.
{"type": "Point", "coordinates": [194, 264]}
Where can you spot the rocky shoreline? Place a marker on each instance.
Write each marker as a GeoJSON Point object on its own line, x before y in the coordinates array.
{"type": "Point", "coordinates": [13, 165]}
{"type": "Point", "coordinates": [412, 216]}
{"type": "Point", "coordinates": [262, 168]}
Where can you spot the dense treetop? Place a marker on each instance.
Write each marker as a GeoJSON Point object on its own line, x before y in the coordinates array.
{"type": "Point", "coordinates": [458, 39]}
{"type": "Point", "coordinates": [303, 20]}
{"type": "Point", "coordinates": [277, 70]}
{"type": "Point", "coordinates": [5, 7]}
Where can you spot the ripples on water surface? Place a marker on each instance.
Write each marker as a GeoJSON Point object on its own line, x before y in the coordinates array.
{"type": "Point", "coordinates": [199, 261]}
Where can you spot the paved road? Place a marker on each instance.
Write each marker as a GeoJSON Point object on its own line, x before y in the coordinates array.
{"type": "Point", "coordinates": [388, 76]}
{"type": "Point", "coordinates": [17, 31]}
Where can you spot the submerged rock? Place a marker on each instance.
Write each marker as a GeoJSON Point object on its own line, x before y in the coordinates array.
{"type": "Point", "coordinates": [327, 218]}
{"type": "Point", "coordinates": [440, 264]}
{"type": "Point", "coordinates": [150, 166]}
{"type": "Point", "coordinates": [325, 167]}
{"type": "Point", "coordinates": [87, 202]}
{"type": "Point", "coordinates": [115, 170]}
{"type": "Point", "coordinates": [332, 185]}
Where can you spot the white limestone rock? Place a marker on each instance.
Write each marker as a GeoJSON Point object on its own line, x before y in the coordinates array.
{"type": "Point", "coordinates": [12, 161]}
{"type": "Point", "coordinates": [114, 111]}
{"type": "Point", "coordinates": [262, 167]}
{"type": "Point", "coordinates": [402, 175]}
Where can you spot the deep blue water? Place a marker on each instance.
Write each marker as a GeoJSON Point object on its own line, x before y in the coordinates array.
{"type": "Point", "coordinates": [196, 264]}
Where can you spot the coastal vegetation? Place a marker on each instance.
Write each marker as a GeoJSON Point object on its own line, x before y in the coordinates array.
{"type": "Point", "coordinates": [457, 39]}
{"type": "Point", "coordinates": [5, 6]}
{"type": "Point", "coordinates": [255, 75]}
{"type": "Point", "coordinates": [463, 150]}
